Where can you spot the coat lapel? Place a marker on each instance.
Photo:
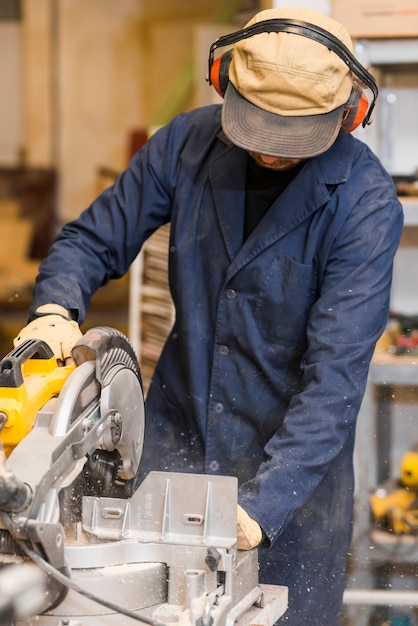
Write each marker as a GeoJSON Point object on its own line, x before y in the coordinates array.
{"type": "Point", "coordinates": [304, 195]}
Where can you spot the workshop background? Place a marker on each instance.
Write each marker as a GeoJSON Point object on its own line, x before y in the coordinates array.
{"type": "Point", "coordinates": [83, 84]}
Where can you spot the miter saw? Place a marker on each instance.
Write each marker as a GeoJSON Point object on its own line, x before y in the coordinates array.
{"type": "Point", "coordinates": [71, 445]}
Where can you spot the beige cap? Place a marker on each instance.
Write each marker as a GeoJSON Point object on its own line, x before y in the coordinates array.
{"type": "Point", "coordinates": [286, 92]}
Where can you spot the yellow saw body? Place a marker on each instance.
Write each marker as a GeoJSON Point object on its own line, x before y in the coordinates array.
{"type": "Point", "coordinates": [29, 378]}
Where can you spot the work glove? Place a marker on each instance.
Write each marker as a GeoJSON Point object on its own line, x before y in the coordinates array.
{"type": "Point", "coordinates": [249, 533]}
{"type": "Point", "coordinates": [53, 325]}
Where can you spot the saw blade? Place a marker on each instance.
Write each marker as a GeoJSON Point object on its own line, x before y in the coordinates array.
{"type": "Point", "coordinates": [121, 393]}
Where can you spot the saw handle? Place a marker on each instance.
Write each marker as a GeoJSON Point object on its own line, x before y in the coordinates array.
{"type": "Point", "coordinates": [11, 365]}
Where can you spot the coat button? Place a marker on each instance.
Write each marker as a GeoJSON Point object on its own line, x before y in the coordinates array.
{"type": "Point", "coordinates": [219, 407]}
{"type": "Point", "coordinates": [224, 350]}
{"type": "Point", "coordinates": [231, 294]}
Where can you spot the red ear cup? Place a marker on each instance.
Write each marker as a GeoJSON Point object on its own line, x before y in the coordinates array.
{"type": "Point", "coordinates": [219, 73]}
{"type": "Point", "coordinates": [355, 110]}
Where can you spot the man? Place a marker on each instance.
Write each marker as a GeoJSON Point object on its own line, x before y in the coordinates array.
{"type": "Point", "coordinates": [283, 233]}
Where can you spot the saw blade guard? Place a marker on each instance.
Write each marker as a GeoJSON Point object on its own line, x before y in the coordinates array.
{"type": "Point", "coordinates": [118, 375]}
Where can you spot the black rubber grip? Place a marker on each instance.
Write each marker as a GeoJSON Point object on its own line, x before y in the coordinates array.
{"type": "Point", "coordinates": [11, 365]}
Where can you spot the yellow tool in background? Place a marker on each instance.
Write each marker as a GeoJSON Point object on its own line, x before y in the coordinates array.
{"type": "Point", "coordinates": [394, 505]}
{"type": "Point", "coordinates": [29, 378]}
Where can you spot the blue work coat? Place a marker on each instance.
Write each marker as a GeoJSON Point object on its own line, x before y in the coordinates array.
{"type": "Point", "coordinates": [265, 368]}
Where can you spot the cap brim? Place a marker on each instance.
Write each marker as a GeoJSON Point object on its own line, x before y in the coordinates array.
{"type": "Point", "coordinates": [260, 131]}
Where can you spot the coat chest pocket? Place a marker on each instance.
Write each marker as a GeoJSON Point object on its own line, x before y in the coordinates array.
{"type": "Point", "coordinates": [284, 302]}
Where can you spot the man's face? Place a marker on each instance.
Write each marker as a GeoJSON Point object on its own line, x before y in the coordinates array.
{"type": "Point", "coordinates": [279, 164]}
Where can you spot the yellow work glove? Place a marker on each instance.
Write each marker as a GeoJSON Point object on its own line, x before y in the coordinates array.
{"type": "Point", "coordinates": [55, 327]}
{"type": "Point", "coordinates": [249, 533]}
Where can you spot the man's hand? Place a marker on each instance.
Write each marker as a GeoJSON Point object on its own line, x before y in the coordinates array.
{"type": "Point", "coordinates": [249, 533]}
{"type": "Point", "coordinates": [55, 327]}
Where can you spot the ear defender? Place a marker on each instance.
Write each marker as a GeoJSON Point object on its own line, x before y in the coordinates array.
{"type": "Point", "coordinates": [219, 73]}
{"type": "Point", "coordinates": [355, 110]}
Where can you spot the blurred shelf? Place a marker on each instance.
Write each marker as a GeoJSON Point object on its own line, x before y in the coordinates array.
{"type": "Point", "coordinates": [410, 207]}
{"type": "Point", "coordinates": [388, 369]}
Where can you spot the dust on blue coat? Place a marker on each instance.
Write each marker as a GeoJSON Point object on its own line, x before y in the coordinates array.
{"type": "Point", "coordinates": [264, 371]}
